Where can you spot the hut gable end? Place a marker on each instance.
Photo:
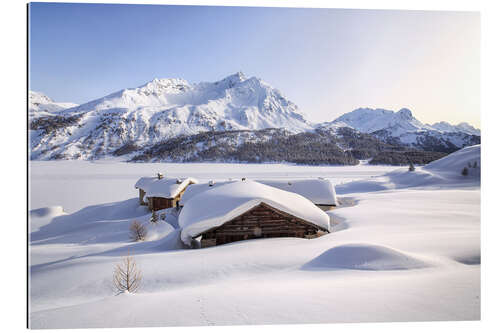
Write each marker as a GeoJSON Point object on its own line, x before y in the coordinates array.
{"type": "Point", "coordinates": [262, 221]}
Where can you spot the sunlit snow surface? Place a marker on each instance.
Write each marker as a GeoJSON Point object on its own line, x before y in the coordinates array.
{"type": "Point", "coordinates": [406, 247]}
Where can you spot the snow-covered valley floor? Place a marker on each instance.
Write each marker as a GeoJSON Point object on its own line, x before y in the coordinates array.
{"type": "Point", "coordinates": [406, 247]}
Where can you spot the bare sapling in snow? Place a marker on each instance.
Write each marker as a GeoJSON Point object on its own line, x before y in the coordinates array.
{"type": "Point", "coordinates": [137, 231]}
{"type": "Point", "coordinates": [154, 217]}
{"type": "Point", "coordinates": [465, 171]}
{"type": "Point", "coordinates": [127, 277]}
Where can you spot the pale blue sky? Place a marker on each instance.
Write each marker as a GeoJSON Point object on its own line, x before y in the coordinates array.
{"type": "Point", "coordinates": [327, 61]}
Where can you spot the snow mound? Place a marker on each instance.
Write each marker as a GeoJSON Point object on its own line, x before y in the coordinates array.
{"type": "Point", "coordinates": [51, 211]}
{"type": "Point", "coordinates": [468, 256]}
{"type": "Point", "coordinates": [456, 161]}
{"type": "Point", "coordinates": [171, 242]}
{"type": "Point", "coordinates": [157, 230]}
{"type": "Point", "coordinates": [363, 257]}
{"type": "Point", "coordinates": [43, 216]}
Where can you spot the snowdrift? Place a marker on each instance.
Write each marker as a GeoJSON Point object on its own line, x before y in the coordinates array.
{"type": "Point", "coordinates": [443, 173]}
{"type": "Point", "coordinates": [42, 216]}
{"type": "Point", "coordinates": [51, 211]}
{"type": "Point", "coordinates": [455, 162]}
{"type": "Point", "coordinates": [363, 257]}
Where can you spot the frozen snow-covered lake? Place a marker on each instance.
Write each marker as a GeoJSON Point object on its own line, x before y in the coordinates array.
{"type": "Point", "coordinates": [76, 184]}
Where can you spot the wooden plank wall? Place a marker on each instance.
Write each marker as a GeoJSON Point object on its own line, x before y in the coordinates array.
{"type": "Point", "coordinates": [260, 222]}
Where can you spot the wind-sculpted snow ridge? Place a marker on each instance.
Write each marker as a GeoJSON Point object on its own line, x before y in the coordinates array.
{"type": "Point", "coordinates": [402, 128]}
{"type": "Point", "coordinates": [163, 109]}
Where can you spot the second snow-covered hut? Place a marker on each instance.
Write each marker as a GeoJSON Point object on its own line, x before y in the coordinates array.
{"type": "Point", "coordinates": [320, 191]}
{"type": "Point", "coordinates": [161, 193]}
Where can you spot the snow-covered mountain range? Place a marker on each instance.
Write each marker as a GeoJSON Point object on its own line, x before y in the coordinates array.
{"type": "Point", "coordinates": [132, 120]}
{"type": "Point", "coordinates": [162, 109]}
{"type": "Point", "coordinates": [402, 128]}
{"type": "Point", "coordinates": [369, 120]}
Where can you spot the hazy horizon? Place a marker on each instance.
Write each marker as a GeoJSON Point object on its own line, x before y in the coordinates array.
{"type": "Point", "coordinates": [327, 61]}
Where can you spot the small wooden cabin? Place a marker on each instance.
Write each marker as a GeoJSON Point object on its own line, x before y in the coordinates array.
{"type": "Point", "coordinates": [161, 193]}
{"type": "Point", "coordinates": [159, 202]}
{"type": "Point", "coordinates": [243, 210]}
{"type": "Point", "coordinates": [262, 221]}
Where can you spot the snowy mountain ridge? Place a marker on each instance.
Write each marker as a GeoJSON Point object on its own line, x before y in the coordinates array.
{"type": "Point", "coordinates": [463, 127]}
{"type": "Point", "coordinates": [40, 104]}
{"type": "Point", "coordinates": [402, 128]}
{"type": "Point", "coordinates": [368, 120]}
{"type": "Point", "coordinates": [162, 109]}
{"type": "Point", "coordinates": [233, 103]}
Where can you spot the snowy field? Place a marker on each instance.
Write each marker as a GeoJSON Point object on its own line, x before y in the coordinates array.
{"type": "Point", "coordinates": [405, 247]}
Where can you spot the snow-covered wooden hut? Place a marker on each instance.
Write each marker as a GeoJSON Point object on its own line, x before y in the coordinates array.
{"type": "Point", "coordinates": [320, 191]}
{"type": "Point", "coordinates": [160, 193]}
{"type": "Point", "coordinates": [243, 210]}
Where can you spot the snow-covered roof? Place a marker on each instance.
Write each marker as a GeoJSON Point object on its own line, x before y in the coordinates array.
{"type": "Point", "coordinates": [195, 189]}
{"type": "Point", "coordinates": [221, 204]}
{"type": "Point", "coordinates": [319, 191]}
{"type": "Point", "coordinates": [165, 187]}
{"type": "Point", "coordinates": [144, 182]}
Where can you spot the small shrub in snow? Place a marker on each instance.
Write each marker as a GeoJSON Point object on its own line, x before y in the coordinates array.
{"type": "Point", "coordinates": [465, 171]}
{"type": "Point", "coordinates": [154, 217]}
{"type": "Point", "coordinates": [163, 216]}
{"type": "Point", "coordinates": [411, 167]}
{"type": "Point", "coordinates": [137, 231]}
{"type": "Point", "coordinates": [127, 277]}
